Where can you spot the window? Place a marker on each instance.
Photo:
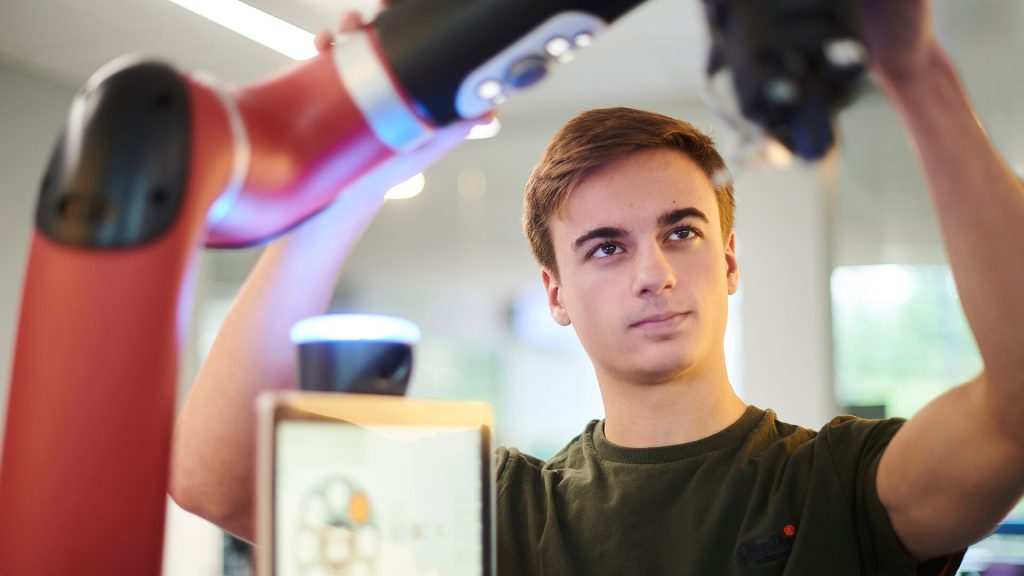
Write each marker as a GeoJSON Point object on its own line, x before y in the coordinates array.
{"type": "Point", "coordinates": [900, 337]}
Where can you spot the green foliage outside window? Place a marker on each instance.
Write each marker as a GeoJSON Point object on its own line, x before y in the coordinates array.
{"type": "Point", "coordinates": [900, 336]}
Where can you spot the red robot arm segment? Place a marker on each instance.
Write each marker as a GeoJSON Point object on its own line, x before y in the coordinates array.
{"type": "Point", "coordinates": [308, 134]}
{"type": "Point", "coordinates": [120, 221]}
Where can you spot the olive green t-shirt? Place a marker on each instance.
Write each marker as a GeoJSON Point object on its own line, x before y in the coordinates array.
{"type": "Point", "coordinates": [760, 497]}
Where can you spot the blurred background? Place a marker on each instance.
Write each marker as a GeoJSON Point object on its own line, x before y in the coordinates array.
{"type": "Point", "coordinates": [846, 302]}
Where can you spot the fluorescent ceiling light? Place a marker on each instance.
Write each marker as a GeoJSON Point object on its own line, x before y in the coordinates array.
{"type": "Point", "coordinates": [256, 25]}
{"type": "Point", "coordinates": [411, 187]}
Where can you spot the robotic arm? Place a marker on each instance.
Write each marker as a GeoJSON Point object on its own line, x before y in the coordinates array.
{"type": "Point", "coordinates": [152, 165]}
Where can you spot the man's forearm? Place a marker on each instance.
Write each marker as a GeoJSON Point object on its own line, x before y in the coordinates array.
{"type": "Point", "coordinates": [980, 207]}
{"type": "Point", "coordinates": [214, 445]}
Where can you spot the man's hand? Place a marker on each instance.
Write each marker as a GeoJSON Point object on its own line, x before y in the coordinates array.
{"type": "Point", "coordinates": [899, 36]}
{"type": "Point", "coordinates": [349, 21]}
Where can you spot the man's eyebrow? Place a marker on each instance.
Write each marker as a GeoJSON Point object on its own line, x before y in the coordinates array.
{"type": "Point", "coordinates": [666, 219]}
{"type": "Point", "coordinates": [670, 218]}
{"type": "Point", "coordinates": [604, 232]}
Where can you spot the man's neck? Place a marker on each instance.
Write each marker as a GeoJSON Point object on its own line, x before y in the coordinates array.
{"type": "Point", "coordinates": [688, 408]}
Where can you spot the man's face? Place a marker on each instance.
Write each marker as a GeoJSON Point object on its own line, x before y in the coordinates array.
{"type": "Point", "coordinates": [644, 273]}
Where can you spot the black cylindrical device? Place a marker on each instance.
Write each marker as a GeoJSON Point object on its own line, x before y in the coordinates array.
{"type": "Point", "coordinates": [360, 353]}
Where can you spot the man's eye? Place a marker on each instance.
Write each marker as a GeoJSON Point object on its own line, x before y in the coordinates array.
{"type": "Point", "coordinates": [604, 250]}
{"type": "Point", "coordinates": [684, 233]}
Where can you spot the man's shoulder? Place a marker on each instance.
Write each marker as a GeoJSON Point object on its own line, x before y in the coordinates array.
{"type": "Point", "coordinates": [842, 434]}
{"type": "Point", "coordinates": [768, 433]}
{"type": "Point", "coordinates": [764, 437]}
{"type": "Point", "coordinates": [509, 460]}
{"type": "Point", "coordinates": [859, 431]}
{"type": "Point", "coordinates": [838, 426]}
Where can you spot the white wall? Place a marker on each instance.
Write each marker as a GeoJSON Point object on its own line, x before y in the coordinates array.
{"type": "Point", "coordinates": [32, 111]}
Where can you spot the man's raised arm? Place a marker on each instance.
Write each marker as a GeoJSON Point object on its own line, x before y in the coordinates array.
{"type": "Point", "coordinates": [212, 464]}
{"type": "Point", "coordinates": [214, 437]}
{"type": "Point", "coordinates": [957, 467]}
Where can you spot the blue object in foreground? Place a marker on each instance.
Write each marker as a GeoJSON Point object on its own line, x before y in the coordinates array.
{"type": "Point", "coordinates": [1015, 527]}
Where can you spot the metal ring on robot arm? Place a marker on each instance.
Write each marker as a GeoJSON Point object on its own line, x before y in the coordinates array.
{"type": "Point", "coordinates": [405, 77]}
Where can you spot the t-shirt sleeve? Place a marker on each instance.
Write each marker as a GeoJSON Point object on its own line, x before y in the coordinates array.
{"type": "Point", "coordinates": [501, 455]}
{"type": "Point", "coordinates": [856, 446]}
{"type": "Point", "coordinates": [505, 460]}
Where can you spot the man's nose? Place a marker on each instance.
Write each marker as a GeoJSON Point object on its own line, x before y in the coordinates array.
{"type": "Point", "coordinates": [653, 272]}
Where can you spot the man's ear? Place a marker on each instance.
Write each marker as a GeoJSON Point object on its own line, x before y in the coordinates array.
{"type": "Point", "coordinates": [732, 264]}
{"type": "Point", "coordinates": [554, 291]}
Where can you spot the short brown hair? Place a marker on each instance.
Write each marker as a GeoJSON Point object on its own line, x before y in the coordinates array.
{"type": "Point", "coordinates": [596, 138]}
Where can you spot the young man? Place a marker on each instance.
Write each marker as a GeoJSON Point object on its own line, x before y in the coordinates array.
{"type": "Point", "coordinates": [637, 253]}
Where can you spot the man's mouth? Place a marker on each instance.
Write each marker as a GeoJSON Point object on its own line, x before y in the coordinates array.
{"type": "Point", "coordinates": [662, 320]}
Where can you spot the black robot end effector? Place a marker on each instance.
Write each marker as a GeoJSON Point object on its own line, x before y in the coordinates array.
{"type": "Point", "coordinates": [794, 64]}
{"type": "Point", "coordinates": [460, 58]}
